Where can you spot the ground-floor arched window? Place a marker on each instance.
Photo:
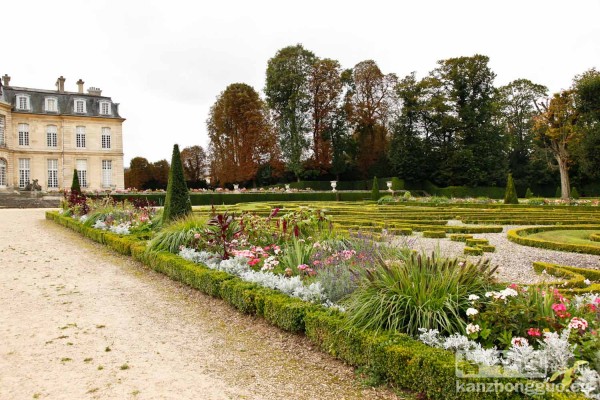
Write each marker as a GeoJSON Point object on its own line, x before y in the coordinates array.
{"type": "Point", "coordinates": [2, 172]}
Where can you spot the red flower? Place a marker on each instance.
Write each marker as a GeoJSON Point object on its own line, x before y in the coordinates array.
{"type": "Point", "coordinates": [534, 332]}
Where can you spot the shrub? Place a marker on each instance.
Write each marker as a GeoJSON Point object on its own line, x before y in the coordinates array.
{"type": "Point", "coordinates": [460, 237]}
{"type": "Point", "coordinates": [510, 196]}
{"type": "Point", "coordinates": [178, 233]}
{"type": "Point", "coordinates": [528, 194]}
{"type": "Point", "coordinates": [476, 242]}
{"type": "Point", "coordinates": [473, 251]}
{"type": "Point", "coordinates": [75, 187]}
{"type": "Point", "coordinates": [486, 248]}
{"type": "Point", "coordinates": [375, 190]}
{"type": "Point", "coordinates": [558, 193]}
{"type": "Point", "coordinates": [421, 292]}
{"type": "Point", "coordinates": [574, 193]}
{"type": "Point", "coordinates": [177, 202]}
{"type": "Point", "coordinates": [397, 183]}
{"type": "Point", "coordinates": [434, 234]}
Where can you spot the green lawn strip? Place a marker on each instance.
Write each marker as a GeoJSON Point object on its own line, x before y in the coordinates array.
{"type": "Point", "coordinates": [525, 237]}
{"type": "Point", "coordinates": [569, 236]}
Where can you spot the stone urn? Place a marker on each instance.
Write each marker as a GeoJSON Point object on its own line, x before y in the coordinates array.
{"type": "Point", "coordinates": [333, 186]}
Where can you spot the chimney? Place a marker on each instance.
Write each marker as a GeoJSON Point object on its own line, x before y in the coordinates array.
{"type": "Point", "coordinates": [94, 91]}
{"type": "Point", "coordinates": [6, 80]}
{"type": "Point", "coordinates": [80, 86]}
{"type": "Point", "coordinates": [60, 84]}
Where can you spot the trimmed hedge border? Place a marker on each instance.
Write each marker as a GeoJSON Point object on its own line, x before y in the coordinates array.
{"type": "Point", "coordinates": [434, 234]}
{"type": "Point", "coordinates": [595, 237]}
{"type": "Point", "coordinates": [397, 358]}
{"type": "Point", "coordinates": [574, 277]}
{"type": "Point", "coordinates": [519, 236]}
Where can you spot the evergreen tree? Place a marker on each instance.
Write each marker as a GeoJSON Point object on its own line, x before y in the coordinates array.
{"type": "Point", "coordinates": [510, 196]}
{"type": "Point", "coordinates": [177, 202]}
{"type": "Point", "coordinates": [574, 193]}
{"type": "Point", "coordinates": [528, 194]}
{"type": "Point", "coordinates": [558, 192]}
{"type": "Point", "coordinates": [75, 187]}
{"type": "Point", "coordinates": [375, 190]}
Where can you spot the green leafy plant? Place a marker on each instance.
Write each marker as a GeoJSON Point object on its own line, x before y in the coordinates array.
{"type": "Point", "coordinates": [297, 252]}
{"type": "Point", "coordinates": [574, 193]}
{"type": "Point", "coordinates": [177, 201]}
{"type": "Point", "coordinates": [420, 291]}
{"type": "Point", "coordinates": [510, 195]}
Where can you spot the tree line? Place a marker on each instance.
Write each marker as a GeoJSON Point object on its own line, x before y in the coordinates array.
{"type": "Point", "coordinates": [453, 127]}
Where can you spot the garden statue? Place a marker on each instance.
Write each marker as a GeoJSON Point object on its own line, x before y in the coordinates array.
{"type": "Point", "coordinates": [33, 186]}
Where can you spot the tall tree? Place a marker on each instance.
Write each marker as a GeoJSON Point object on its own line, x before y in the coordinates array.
{"type": "Point", "coordinates": [195, 162]}
{"type": "Point", "coordinates": [479, 156]}
{"type": "Point", "coordinates": [517, 108]}
{"type": "Point", "coordinates": [556, 129]}
{"type": "Point", "coordinates": [587, 97]}
{"type": "Point", "coordinates": [325, 88]}
{"type": "Point", "coordinates": [369, 102]}
{"type": "Point", "coordinates": [288, 96]}
{"type": "Point", "coordinates": [139, 173]}
{"type": "Point", "coordinates": [242, 138]}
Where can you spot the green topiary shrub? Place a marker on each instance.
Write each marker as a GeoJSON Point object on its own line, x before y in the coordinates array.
{"type": "Point", "coordinates": [177, 202]}
{"type": "Point", "coordinates": [510, 195]}
{"type": "Point", "coordinates": [528, 194]}
{"type": "Point", "coordinates": [574, 193]}
{"type": "Point", "coordinates": [75, 187]}
{"type": "Point", "coordinates": [375, 190]}
{"type": "Point", "coordinates": [558, 193]}
{"type": "Point", "coordinates": [397, 183]}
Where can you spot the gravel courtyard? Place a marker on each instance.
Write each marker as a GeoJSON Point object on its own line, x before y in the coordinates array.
{"type": "Point", "coordinates": [79, 322]}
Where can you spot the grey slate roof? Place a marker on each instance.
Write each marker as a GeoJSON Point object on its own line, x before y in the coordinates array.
{"type": "Point", "coordinates": [66, 102]}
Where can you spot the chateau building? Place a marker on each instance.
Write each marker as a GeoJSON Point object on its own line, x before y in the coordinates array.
{"type": "Point", "coordinates": [46, 134]}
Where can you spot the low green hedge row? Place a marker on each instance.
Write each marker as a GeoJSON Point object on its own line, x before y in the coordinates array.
{"type": "Point", "coordinates": [595, 237]}
{"type": "Point", "coordinates": [520, 236]}
{"type": "Point", "coordinates": [434, 234]}
{"type": "Point", "coordinates": [399, 359]}
{"type": "Point", "coordinates": [460, 237]}
{"type": "Point", "coordinates": [473, 251]}
{"type": "Point", "coordinates": [574, 277]}
{"type": "Point", "coordinates": [476, 242]}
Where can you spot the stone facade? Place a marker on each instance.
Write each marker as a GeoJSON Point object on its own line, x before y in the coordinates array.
{"type": "Point", "coordinates": [46, 134]}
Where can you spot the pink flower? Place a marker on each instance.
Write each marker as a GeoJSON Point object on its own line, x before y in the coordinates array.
{"type": "Point", "coordinates": [535, 332]}
{"type": "Point", "coordinates": [579, 324]}
{"type": "Point", "coordinates": [196, 236]}
{"type": "Point", "coordinates": [254, 261]}
{"type": "Point", "coordinates": [559, 307]}
{"type": "Point", "coordinates": [303, 267]}
{"type": "Point", "coordinates": [316, 262]}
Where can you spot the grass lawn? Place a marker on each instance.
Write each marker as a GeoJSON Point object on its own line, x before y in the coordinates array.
{"type": "Point", "coordinates": [568, 236]}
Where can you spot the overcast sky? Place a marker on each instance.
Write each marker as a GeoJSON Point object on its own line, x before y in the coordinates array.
{"type": "Point", "coordinates": [165, 62]}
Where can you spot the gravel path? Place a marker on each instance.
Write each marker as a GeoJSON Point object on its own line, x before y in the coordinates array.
{"type": "Point", "coordinates": [79, 322]}
{"type": "Point", "coordinates": [514, 261]}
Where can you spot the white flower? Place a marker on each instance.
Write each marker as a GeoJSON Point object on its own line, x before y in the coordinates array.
{"type": "Point", "coordinates": [489, 294]}
{"type": "Point", "coordinates": [473, 297]}
{"type": "Point", "coordinates": [472, 311]}
{"type": "Point", "coordinates": [518, 341]}
{"type": "Point", "coordinates": [472, 328]}
{"type": "Point", "coordinates": [587, 282]}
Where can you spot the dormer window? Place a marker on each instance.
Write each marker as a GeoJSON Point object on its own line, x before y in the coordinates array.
{"type": "Point", "coordinates": [80, 106]}
{"type": "Point", "coordinates": [23, 102]}
{"type": "Point", "coordinates": [51, 104]}
{"type": "Point", "coordinates": [105, 108]}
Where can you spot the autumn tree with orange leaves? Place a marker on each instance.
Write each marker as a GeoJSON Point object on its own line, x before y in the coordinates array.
{"type": "Point", "coordinates": [369, 102]}
{"type": "Point", "coordinates": [242, 138]}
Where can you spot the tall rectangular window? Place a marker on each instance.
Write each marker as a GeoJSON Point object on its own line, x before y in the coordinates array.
{"type": "Point", "coordinates": [105, 108]}
{"type": "Point", "coordinates": [80, 137]}
{"type": "Point", "coordinates": [24, 174]}
{"type": "Point", "coordinates": [2, 172]}
{"type": "Point", "coordinates": [52, 136]}
{"type": "Point", "coordinates": [106, 173]}
{"type": "Point", "coordinates": [23, 135]}
{"type": "Point", "coordinates": [2, 136]}
{"type": "Point", "coordinates": [80, 106]}
{"type": "Point", "coordinates": [22, 102]}
{"type": "Point", "coordinates": [53, 174]}
{"type": "Point", "coordinates": [106, 138]}
{"type": "Point", "coordinates": [82, 172]}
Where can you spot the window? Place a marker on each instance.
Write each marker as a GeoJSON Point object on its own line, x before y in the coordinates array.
{"type": "Point", "coordinates": [23, 172]}
{"type": "Point", "coordinates": [106, 173]}
{"type": "Point", "coordinates": [106, 138]}
{"type": "Point", "coordinates": [80, 137]}
{"type": "Point", "coordinates": [82, 172]}
{"type": "Point", "coordinates": [51, 136]}
{"type": "Point", "coordinates": [80, 106]}
{"type": "Point", "coordinates": [105, 108]}
{"type": "Point", "coordinates": [51, 104]}
{"type": "Point", "coordinates": [52, 173]}
{"type": "Point", "coordinates": [2, 172]}
{"type": "Point", "coordinates": [2, 137]}
{"type": "Point", "coordinates": [22, 102]}
{"type": "Point", "coordinates": [23, 135]}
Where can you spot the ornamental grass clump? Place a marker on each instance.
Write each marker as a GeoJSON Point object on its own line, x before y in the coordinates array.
{"type": "Point", "coordinates": [181, 232]}
{"type": "Point", "coordinates": [420, 291]}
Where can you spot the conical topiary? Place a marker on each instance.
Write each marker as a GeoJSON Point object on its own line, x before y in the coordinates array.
{"type": "Point", "coordinates": [528, 194]}
{"type": "Point", "coordinates": [375, 190]}
{"type": "Point", "coordinates": [75, 187]}
{"type": "Point", "coordinates": [558, 193]}
{"type": "Point", "coordinates": [510, 195]}
{"type": "Point", "coordinates": [574, 193]}
{"type": "Point", "coordinates": [177, 202]}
